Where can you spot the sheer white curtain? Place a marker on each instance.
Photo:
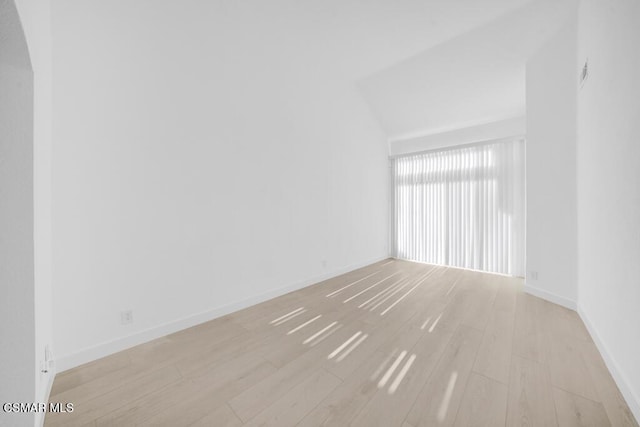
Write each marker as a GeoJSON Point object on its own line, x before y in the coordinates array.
{"type": "Point", "coordinates": [463, 207]}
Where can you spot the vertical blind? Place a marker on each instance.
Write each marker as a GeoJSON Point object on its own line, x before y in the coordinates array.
{"type": "Point", "coordinates": [462, 207]}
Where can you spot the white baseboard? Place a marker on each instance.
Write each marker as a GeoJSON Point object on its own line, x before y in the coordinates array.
{"type": "Point", "coordinates": [106, 348]}
{"type": "Point", "coordinates": [454, 267]}
{"type": "Point", "coordinates": [627, 392]}
{"type": "Point", "coordinates": [550, 296]}
{"type": "Point", "coordinates": [632, 399]}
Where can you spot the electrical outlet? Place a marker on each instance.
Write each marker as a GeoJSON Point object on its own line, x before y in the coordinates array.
{"type": "Point", "coordinates": [324, 263]}
{"type": "Point", "coordinates": [126, 317]}
{"type": "Point", "coordinates": [533, 275]}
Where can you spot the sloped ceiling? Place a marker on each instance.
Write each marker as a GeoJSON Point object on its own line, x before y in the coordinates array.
{"type": "Point", "coordinates": [477, 77]}
{"type": "Point", "coordinates": [360, 37]}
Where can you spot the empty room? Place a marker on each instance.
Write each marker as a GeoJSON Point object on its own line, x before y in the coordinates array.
{"type": "Point", "coordinates": [319, 213]}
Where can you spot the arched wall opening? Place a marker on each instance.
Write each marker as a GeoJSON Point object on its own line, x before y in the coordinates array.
{"type": "Point", "coordinates": [17, 316]}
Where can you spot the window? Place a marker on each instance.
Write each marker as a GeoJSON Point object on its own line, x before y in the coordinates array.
{"type": "Point", "coordinates": [462, 207]}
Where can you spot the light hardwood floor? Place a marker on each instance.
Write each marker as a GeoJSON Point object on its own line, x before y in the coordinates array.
{"type": "Point", "coordinates": [392, 344]}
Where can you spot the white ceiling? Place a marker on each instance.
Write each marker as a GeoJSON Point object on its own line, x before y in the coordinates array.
{"type": "Point", "coordinates": [474, 78]}
{"type": "Point", "coordinates": [360, 37]}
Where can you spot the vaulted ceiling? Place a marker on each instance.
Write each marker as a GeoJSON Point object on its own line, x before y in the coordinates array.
{"type": "Point", "coordinates": [474, 78]}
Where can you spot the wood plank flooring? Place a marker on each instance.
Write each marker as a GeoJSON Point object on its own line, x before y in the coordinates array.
{"type": "Point", "coordinates": [392, 344]}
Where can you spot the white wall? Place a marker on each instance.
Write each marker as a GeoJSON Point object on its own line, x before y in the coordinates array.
{"type": "Point", "coordinates": [609, 186]}
{"type": "Point", "coordinates": [36, 20]}
{"type": "Point", "coordinates": [26, 211]}
{"type": "Point", "coordinates": [551, 169]}
{"type": "Point", "coordinates": [17, 329]}
{"type": "Point", "coordinates": [204, 159]}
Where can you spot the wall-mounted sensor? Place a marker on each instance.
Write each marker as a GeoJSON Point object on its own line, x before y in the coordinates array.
{"type": "Point", "coordinates": [584, 73]}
